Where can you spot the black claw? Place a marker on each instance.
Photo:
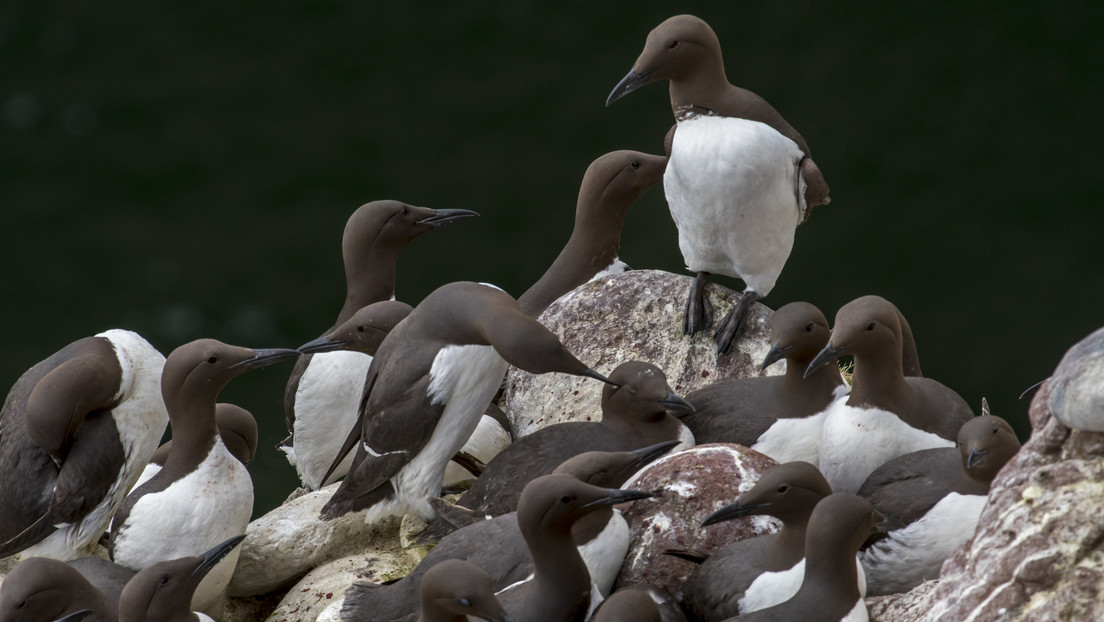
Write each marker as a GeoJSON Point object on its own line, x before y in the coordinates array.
{"type": "Point", "coordinates": [733, 323]}
{"type": "Point", "coordinates": [699, 311]}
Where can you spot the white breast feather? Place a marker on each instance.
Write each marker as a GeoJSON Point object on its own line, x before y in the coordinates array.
{"type": "Point", "coordinates": [915, 553]}
{"type": "Point", "coordinates": [730, 185]}
{"type": "Point", "coordinates": [855, 441]}
{"type": "Point", "coordinates": [196, 512]}
{"type": "Point", "coordinates": [326, 405]}
{"type": "Point", "coordinates": [604, 554]}
{"type": "Point", "coordinates": [793, 439]}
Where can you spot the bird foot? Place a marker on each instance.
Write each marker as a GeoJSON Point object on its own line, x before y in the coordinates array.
{"type": "Point", "coordinates": [699, 311]}
{"type": "Point", "coordinates": [733, 322]}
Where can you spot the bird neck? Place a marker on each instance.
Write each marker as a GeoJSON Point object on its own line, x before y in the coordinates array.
{"type": "Point", "coordinates": [369, 278]}
{"type": "Point", "coordinates": [698, 93]}
{"type": "Point", "coordinates": [878, 381]}
{"type": "Point", "coordinates": [557, 565]}
{"type": "Point", "coordinates": [786, 547]}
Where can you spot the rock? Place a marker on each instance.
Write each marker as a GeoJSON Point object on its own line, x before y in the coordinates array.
{"type": "Point", "coordinates": [289, 541]}
{"type": "Point", "coordinates": [631, 315]}
{"type": "Point", "coordinates": [690, 485]}
{"type": "Point", "coordinates": [324, 587]}
{"type": "Point", "coordinates": [1038, 551]}
{"type": "Point", "coordinates": [1077, 386]}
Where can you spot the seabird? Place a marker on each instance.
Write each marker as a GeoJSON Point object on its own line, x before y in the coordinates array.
{"type": "Point", "coordinates": [887, 414]}
{"type": "Point", "coordinates": [323, 396]}
{"type": "Point", "coordinates": [326, 392]}
{"type": "Point", "coordinates": [164, 591]}
{"type": "Point", "coordinates": [238, 430]}
{"type": "Point", "coordinates": [203, 495]}
{"type": "Point", "coordinates": [510, 560]}
{"type": "Point", "coordinates": [932, 500]}
{"type": "Point", "coordinates": [779, 416]}
{"type": "Point", "coordinates": [610, 185]}
{"type": "Point", "coordinates": [830, 589]}
{"type": "Point", "coordinates": [429, 383]}
{"type": "Point", "coordinates": [762, 571]}
{"type": "Point", "coordinates": [638, 409]}
{"type": "Point", "coordinates": [454, 589]}
{"type": "Point", "coordinates": [75, 431]}
{"type": "Point", "coordinates": [740, 178]}
{"type": "Point", "coordinates": [41, 588]}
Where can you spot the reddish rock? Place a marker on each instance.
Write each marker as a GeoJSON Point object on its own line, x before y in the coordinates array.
{"type": "Point", "coordinates": [689, 485]}
{"type": "Point", "coordinates": [632, 315]}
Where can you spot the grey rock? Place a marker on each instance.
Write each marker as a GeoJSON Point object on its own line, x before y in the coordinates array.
{"type": "Point", "coordinates": [1077, 386]}
{"type": "Point", "coordinates": [631, 315]}
{"type": "Point", "coordinates": [689, 486]}
{"type": "Point", "coordinates": [324, 587]}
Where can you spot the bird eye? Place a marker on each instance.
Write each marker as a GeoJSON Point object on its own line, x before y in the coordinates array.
{"type": "Point", "coordinates": [809, 327]}
{"type": "Point", "coordinates": [870, 326]}
{"type": "Point", "coordinates": [360, 329]}
{"type": "Point", "coordinates": [21, 604]}
{"type": "Point", "coordinates": [164, 580]}
{"type": "Point", "coordinates": [464, 602]}
{"type": "Point", "coordinates": [995, 430]}
{"type": "Point", "coordinates": [672, 45]}
{"type": "Point", "coordinates": [212, 360]}
{"type": "Point", "coordinates": [635, 164]}
{"type": "Point", "coordinates": [783, 488]}
{"type": "Point", "coordinates": [566, 499]}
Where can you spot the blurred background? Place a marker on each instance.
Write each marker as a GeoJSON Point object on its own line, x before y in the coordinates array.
{"type": "Point", "coordinates": [186, 171]}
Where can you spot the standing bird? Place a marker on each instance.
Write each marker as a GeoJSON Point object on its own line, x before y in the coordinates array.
{"type": "Point", "coordinates": [830, 590]}
{"type": "Point", "coordinates": [610, 185]}
{"type": "Point", "coordinates": [427, 387]}
{"type": "Point", "coordinates": [323, 391]}
{"type": "Point", "coordinates": [779, 416]}
{"type": "Point", "coordinates": [75, 432]}
{"type": "Point", "coordinates": [932, 500]}
{"type": "Point", "coordinates": [740, 178]}
{"type": "Point", "coordinates": [203, 495]}
{"type": "Point", "coordinates": [887, 414]}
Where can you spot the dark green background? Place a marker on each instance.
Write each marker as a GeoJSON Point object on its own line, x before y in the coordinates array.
{"type": "Point", "coordinates": [186, 170]}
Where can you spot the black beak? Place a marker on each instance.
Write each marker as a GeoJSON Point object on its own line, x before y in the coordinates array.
{"type": "Point", "coordinates": [628, 84]}
{"type": "Point", "coordinates": [616, 495]}
{"type": "Point", "coordinates": [590, 373]}
{"type": "Point", "coordinates": [645, 455]}
{"type": "Point", "coordinates": [676, 405]}
{"type": "Point", "coordinates": [322, 344]}
{"type": "Point", "coordinates": [215, 555]}
{"type": "Point", "coordinates": [266, 357]}
{"type": "Point", "coordinates": [976, 457]}
{"type": "Point", "coordinates": [828, 354]}
{"type": "Point", "coordinates": [76, 616]}
{"type": "Point", "coordinates": [446, 216]}
{"type": "Point", "coordinates": [731, 511]}
{"type": "Point", "coordinates": [777, 353]}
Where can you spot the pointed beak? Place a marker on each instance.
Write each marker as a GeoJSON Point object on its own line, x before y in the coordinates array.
{"type": "Point", "coordinates": [76, 616]}
{"type": "Point", "coordinates": [776, 353]}
{"type": "Point", "coordinates": [492, 612]}
{"type": "Point", "coordinates": [616, 495]}
{"type": "Point", "coordinates": [590, 373]}
{"type": "Point", "coordinates": [445, 216]}
{"type": "Point", "coordinates": [322, 344]}
{"type": "Point", "coordinates": [827, 355]}
{"type": "Point", "coordinates": [676, 405]}
{"type": "Point", "coordinates": [215, 555]}
{"type": "Point", "coordinates": [976, 457]}
{"type": "Point", "coordinates": [731, 511]}
{"type": "Point", "coordinates": [646, 455]}
{"type": "Point", "coordinates": [628, 84]}
{"type": "Point", "coordinates": [1032, 388]}
{"type": "Point", "coordinates": [266, 357]}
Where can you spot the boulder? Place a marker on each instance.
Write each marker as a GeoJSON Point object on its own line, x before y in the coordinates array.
{"type": "Point", "coordinates": [1038, 551]}
{"type": "Point", "coordinates": [689, 486]}
{"type": "Point", "coordinates": [325, 586]}
{"type": "Point", "coordinates": [285, 544]}
{"type": "Point", "coordinates": [1077, 386]}
{"type": "Point", "coordinates": [631, 315]}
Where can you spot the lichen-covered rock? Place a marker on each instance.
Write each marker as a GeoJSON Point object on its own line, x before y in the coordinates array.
{"type": "Point", "coordinates": [325, 586]}
{"type": "Point", "coordinates": [289, 541]}
{"type": "Point", "coordinates": [689, 485]}
{"type": "Point", "coordinates": [1038, 551]}
{"type": "Point", "coordinates": [1077, 386]}
{"type": "Point", "coordinates": [631, 315]}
